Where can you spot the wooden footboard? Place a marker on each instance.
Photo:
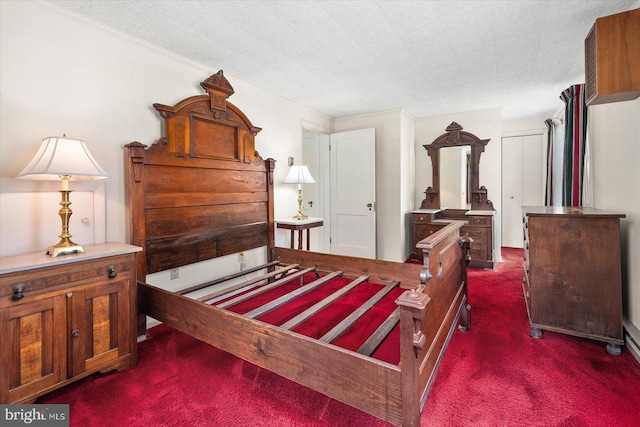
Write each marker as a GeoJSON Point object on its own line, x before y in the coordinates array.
{"type": "Point", "coordinates": [430, 314]}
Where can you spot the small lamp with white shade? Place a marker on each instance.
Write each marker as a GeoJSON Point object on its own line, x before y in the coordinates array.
{"type": "Point", "coordinates": [63, 158]}
{"type": "Point", "coordinates": [299, 175]}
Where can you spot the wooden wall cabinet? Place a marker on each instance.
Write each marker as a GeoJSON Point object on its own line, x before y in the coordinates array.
{"type": "Point", "coordinates": [572, 273]}
{"type": "Point", "coordinates": [612, 58]}
{"type": "Point", "coordinates": [64, 318]}
{"type": "Point", "coordinates": [479, 225]}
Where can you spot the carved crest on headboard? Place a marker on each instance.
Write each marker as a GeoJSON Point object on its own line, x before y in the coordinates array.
{"type": "Point", "coordinates": [219, 89]}
{"type": "Point", "coordinates": [208, 126]}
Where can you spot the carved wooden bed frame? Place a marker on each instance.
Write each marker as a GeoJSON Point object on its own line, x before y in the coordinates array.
{"type": "Point", "coordinates": [202, 191]}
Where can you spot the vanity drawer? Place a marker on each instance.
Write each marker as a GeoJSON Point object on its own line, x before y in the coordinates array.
{"type": "Point", "coordinates": [479, 246]}
{"type": "Point", "coordinates": [423, 231]}
{"type": "Point", "coordinates": [480, 235]}
{"type": "Point", "coordinates": [480, 220]}
{"type": "Point", "coordinates": [421, 218]}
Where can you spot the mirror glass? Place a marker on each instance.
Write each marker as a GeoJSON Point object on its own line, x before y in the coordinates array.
{"type": "Point", "coordinates": [455, 177]}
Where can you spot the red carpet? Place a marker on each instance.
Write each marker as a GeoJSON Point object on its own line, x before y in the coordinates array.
{"type": "Point", "coordinates": [492, 375]}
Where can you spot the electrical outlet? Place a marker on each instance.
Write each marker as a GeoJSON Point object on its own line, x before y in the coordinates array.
{"type": "Point", "coordinates": [175, 273]}
{"type": "Point", "coordinates": [242, 259]}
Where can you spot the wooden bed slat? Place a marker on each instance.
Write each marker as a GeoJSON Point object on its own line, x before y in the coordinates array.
{"type": "Point", "coordinates": [372, 343]}
{"type": "Point", "coordinates": [264, 289]}
{"type": "Point", "coordinates": [348, 321]}
{"type": "Point", "coordinates": [264, 277]}
{"type": "Point", "coordinates": [295, 321]}
{"type": "Point", "coordinates": [272, 305]}
{"type": "Point", "coordinates": [227, 278]}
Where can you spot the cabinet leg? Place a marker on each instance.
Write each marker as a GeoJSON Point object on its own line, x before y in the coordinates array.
{"type": "Point", "coordinates": [614, 349]}
{"type": "Point", "coordinates": [536, 333]}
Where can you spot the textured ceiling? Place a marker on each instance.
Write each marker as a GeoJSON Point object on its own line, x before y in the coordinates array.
{"type": "Point", "coordinates": [353, 57]}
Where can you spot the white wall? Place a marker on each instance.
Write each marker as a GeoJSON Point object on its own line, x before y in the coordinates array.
{"type": "Point", "coordinates": [408, 186]}
{"type": "Point", "coordinates": [614, 138]}
{"type": "Point", "coordinates": [485, 124]}
{"type": "Point", "coordinates": [62, 73]}
{"type": "Point", "coordinates": [525, 127]}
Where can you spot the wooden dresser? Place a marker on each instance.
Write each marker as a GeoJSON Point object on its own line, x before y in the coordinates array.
{"type": "Point", "coordinates": [572, 273]}
{"type": "Point", "coordinates": [478, 226]}
{"type": "Point", "coordinates": [64, 318]}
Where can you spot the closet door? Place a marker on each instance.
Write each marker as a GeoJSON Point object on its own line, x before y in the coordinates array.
{"type": "Point", "coordinates": [522, 183]}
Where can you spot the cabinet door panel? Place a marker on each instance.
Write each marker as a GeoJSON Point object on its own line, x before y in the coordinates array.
{"type": "Point", "coordinates": [36, 344]}
{"type": "Point", "coordinates": [101, 324]}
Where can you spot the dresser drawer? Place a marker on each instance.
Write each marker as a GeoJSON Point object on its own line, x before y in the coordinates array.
{"type": "Point", "coordinates": [480, 220]}
{"type": "Point", "coordinates": [478, 253]}
{"type": "Point", "coordinates": [423, 231]}
{"type": "Point", "coordinates": [480, 235]}
{"type": "Point", "coordinates": [479, 246]}
{"type": "Point", "coordinates": [421, 218]}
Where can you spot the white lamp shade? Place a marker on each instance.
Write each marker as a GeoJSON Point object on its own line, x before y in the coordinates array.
{"type": "Point", "coordinates": [59, 156]}
{"type": "Point", "coordinates": [299, 175]}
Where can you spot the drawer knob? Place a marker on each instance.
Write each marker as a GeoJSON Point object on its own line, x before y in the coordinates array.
{"type": "Point", "coordinates": [75, 333]}
{"type": "Point", "coordinates": [18, 292]}
{"type": "Point", "coordinates": [112, 271]}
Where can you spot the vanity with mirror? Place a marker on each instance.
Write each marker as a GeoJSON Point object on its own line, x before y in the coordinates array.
{"type": "Point", "coordinates": [456, 194]}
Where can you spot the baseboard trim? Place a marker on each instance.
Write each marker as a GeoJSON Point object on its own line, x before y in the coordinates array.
{"type": "Point", "coordinates": [632, 339]}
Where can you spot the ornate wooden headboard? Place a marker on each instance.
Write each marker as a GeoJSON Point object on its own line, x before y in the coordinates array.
{"type": "Point", "coordinates": [201, 191]}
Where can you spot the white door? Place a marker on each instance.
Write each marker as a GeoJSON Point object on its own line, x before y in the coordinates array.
{"type": "Point", "coordinates": [522, 183]}
{"type": "Point", "coordinates": [353, 193]}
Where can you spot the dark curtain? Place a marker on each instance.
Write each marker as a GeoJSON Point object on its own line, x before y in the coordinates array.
{"type": "Point", "coordinates": [575, 133]}
{"type": "Point", "coordinates": [548, 194]}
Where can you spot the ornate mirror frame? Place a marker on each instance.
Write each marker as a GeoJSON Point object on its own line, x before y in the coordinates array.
{"type": "Point", "coordinates": [455, 137]}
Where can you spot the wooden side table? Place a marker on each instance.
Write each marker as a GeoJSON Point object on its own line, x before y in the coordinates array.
{"type": "Point", "coordinates": [299, 225]}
